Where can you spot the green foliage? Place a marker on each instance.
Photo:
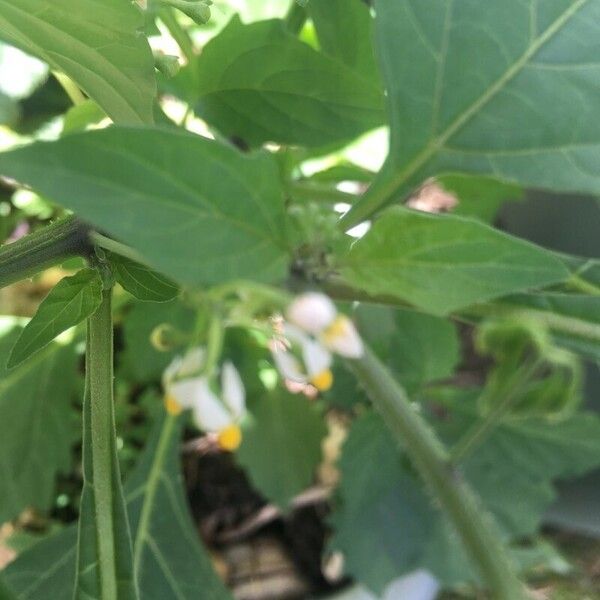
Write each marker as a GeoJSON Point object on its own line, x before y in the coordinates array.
{"type": "Point", "coordinates": [282, 445]}
{"type": "Point", "coordinates": [140, 360]}
{"type": "Point", "coordinates": [111, 62]}
{"type": "Point", "coordinates": [510, 97]}
{"type": "Point", "coordinates": [251, 83]}
{"type": "Point", "coordinates": [171, 561]}
{"type": "Point", "coordinates": [530, 372]}
{"type": "Point", "coordinates": [141, 281]}
{"type": "Point", "coordinates": [345, 30]}
{"type": "Point", "coordinates": [419, 348]}
{"type": "Point", "coordinates": [185, 197]}
{"type": "Point", "coordinates": [386, 524]}
{"type": "Point", "coordinates": [444, 263]}
{"type": "Point", "coordinates": [38, 425]}
{"type": "Point", "coordinates": [70, 302]}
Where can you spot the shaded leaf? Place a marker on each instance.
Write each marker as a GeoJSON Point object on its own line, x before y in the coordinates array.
{"type": "Point", "coordinates": [282, 445]}
{"type": "Point", "coordinates": [197, 210]}
{"type": "Point", "coordinates": [141, 281]}
{"type": "Point", "coordinates": [98, 43]}
{"type": "Point", "coordinates": [419, 348]}
{"type": "Point", "coordinates": [71, 301]}
{"type": "Point", "coordinates": [37, 427]}
{"type": "Point", "coordinates": [443, 263]}
{"type": "Point", "coordinates": [479, 196]}
{"type": "Point", "coordinates": [345, 32]}
{"type": "Point", "coordinates": [260, 83]}
{"type": "Point", "coordinates": [505, 88]}
{"type": "Point", "coordinates": [172, 563]}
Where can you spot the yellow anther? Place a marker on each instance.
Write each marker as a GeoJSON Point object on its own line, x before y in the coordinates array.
{"type": "Point", "coordinates": [323, 380]}
{"type": "Point", "coordinates": [338, 328]}
{"type": "Point", "coordinates": [230, 438]}
{"type": "Point", "coordinates": [173, 407]}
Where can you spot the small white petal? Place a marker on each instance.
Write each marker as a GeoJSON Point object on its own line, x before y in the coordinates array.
{"type": "Point", "coordinates": [311, 311]}
{"type": "Point", "coordinates": [186, 391]}
{"type": "Point", "coordinates": [289, 366]}
{"type": "Point", "coordinates": [192, 362]}
{"type": "Point", "coordinates": [316, 358]}
{"type": "Point", "coordinates": [210, 413]}
{"type": "Point", "coordinates": [234, 394]}
{"type": "Point", "coordinates": [343, 338]}
{"type": "Point", "coordinates": [171, 371]}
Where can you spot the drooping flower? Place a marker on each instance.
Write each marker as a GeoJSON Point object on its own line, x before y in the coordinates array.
{"type": "Point", "coordinates": [216, 411]}
{"type": "Point", "coordinates": [316, 314]}
{"type": "Point", "coordinates": [305, 360]}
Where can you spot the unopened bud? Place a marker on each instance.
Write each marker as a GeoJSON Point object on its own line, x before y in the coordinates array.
{"type": "Point", "coordinates": [167, 64]}
{"type": "Point", "coordinates": [199, 12]}
{"type": "Point", "coordinates": [165, 338]}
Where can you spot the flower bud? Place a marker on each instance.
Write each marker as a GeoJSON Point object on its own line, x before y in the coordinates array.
{"type": "Point", "coordinates": [167, 64]}
{"type": "Point", "coordinates": [312, 312]}
{"type": "Point", "coordinates": [164, 338]}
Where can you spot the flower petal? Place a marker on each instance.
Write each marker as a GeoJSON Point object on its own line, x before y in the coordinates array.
{"type": "Point", "coordinates": [234, 394]}
{"type": "Point", "coordinates": [289, 366]}
{"type": "Point", "coordinates": [312, 312]}
{"type": "Point", "coordinates": [210, 413]}
{"type": "Point", "coordinates": [316, 357]}
{"type": "Point", "coordinates": [192, 362]}
{"type": "Point", "coordinates": [186, 391]}
{"type": "Point", "coordinates": [342, 338]}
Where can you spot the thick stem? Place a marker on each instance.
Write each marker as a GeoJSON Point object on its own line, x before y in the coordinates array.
{"type": "Point", "coordinates": [100, 372]}
{"type": "Point", "coordinates": [474, 526]}
{"type": "Point", "coordinates": [42, 249]}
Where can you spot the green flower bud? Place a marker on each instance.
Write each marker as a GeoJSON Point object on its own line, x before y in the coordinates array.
{"type": "Point", "coordinates": [167, 64]}
{"type": "Point", "coordinates": [199, 12]}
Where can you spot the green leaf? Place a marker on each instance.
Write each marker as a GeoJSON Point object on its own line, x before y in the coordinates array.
{"type": "Point", "coordinates": [419, 348]}
{"type": "Point", "coordinates": [140, 360]}
{"type": "Point", "coordinates": [529, 371]}
{"type": "Point", "coordinates": [38, 426]}
{"type": "Point", "coordinates": [98, 43]}
{"type": "Point", "coordinates": [573, 318]}
{"type": "Point", "coordinates": [478, 196]}
{"type": "Point", "coordinates": [444, 263]}
{"type": "Point", "coordinates": [172, 563]}
{"type": "Point", "coordinates": [499, 88]}
{"type": "Point", "coordinates": [80, 116]}
{"type": "Point", "coordinates": [281, 448]}
{"type": "Point", "coordinates": [72, 300]}
{"type": "Point", "coordinates": [141, 281]}
{"type": "Point", "coordinates": [386, 525]}
{"type": "Point", "coordinates": [5, 592]}
{"type": "Point", "coordinates": [345, 32]}
{"type": "Point", "coordinates": [197, 210]}
{"type": "Point", "coordinates": [260, 83]}
{"type": "Point", "coordinates": [514, 468]}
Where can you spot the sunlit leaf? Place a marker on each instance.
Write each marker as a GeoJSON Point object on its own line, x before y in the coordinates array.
{"type": "Point", "coordinates": [71, 301]}
{"type": "Point", "coordinates": [501, 88]}
{"type": "Point", "coordinates": [98, 43]}
{"type": "Point", "coordinates": [443, 263]}
{"type": "Point", "coordinates": [197, 210]}
{"type": "Point", "coordinates": [259, 83]}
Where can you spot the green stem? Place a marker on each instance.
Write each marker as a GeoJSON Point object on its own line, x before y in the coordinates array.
{"type": "Point", "coordinates": [178, 33]}
{"type": "Point", "coordinates": [45, 248]}
{"type": "Point", "coordinates": [295, 18]}
{"type": "Point", "coordinates": [474, 526]}
{"type": "Point", "coordinates": [100, 366]}
{"type": "Point", "coordinates": [319, 193]}
{"type": "Point", "coordinates": [71, 88]}
{"type": "Point", "coordinates": [115, 247]}
{"type": "Point", "coordinates": [581, 285]}
{"type": "Point", "coordinates": [481, 429]}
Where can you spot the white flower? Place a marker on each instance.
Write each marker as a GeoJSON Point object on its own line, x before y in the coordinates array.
{"type": "Point", "coordinates": [215, 413]}
{"type": "Point", "coordinates": [315, 364]}
{"type": "Point", "coordinates": [316, 314]}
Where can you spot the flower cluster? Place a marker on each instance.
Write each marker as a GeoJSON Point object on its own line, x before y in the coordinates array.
{"type": "Point", "coordinates": [215, 409]}
{"type": "Point", "coordinates": [313, 330]}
